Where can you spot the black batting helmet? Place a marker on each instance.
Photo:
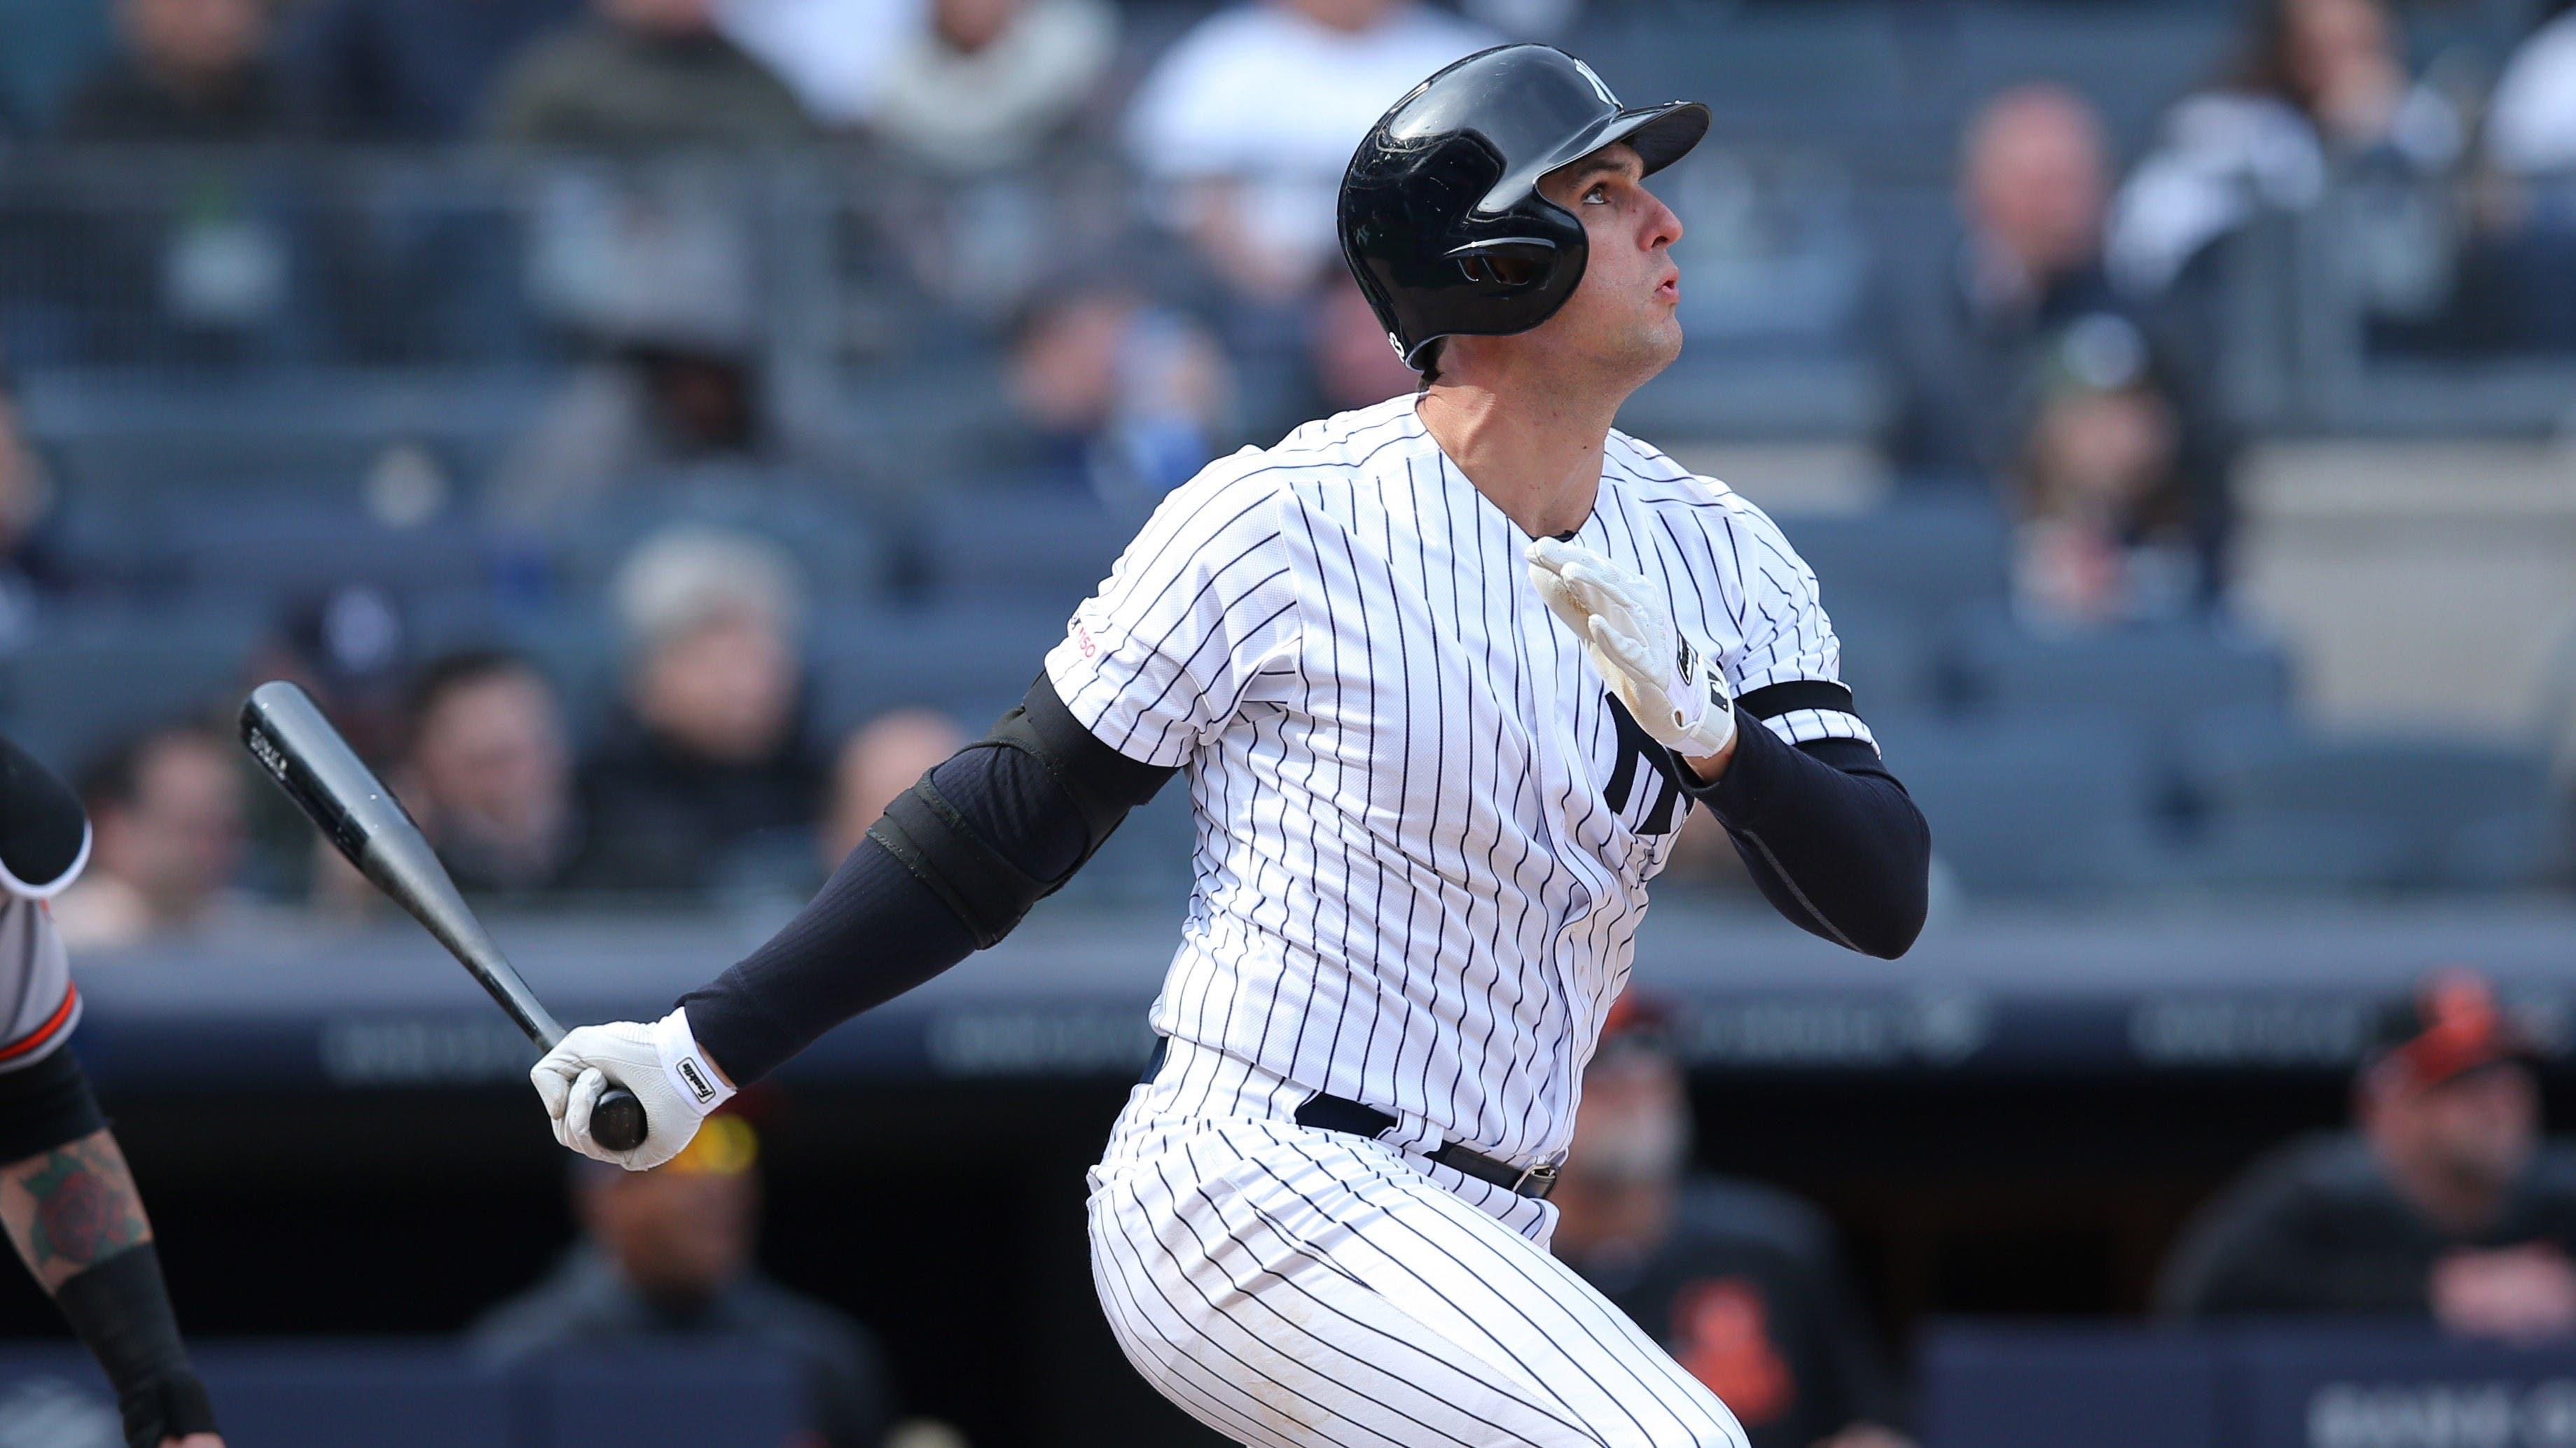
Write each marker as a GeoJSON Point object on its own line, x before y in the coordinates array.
{"type": "Point", "coordinates": [1440, 215]}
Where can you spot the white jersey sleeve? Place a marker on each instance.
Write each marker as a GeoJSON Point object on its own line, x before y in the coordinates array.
{"type": "Point", "coordinates": [1204, 601]}
{"type": "Point", "coordinates": [1783, 635]}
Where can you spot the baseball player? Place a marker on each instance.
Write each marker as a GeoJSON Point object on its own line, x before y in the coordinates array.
{"type": "Point", "coordinates": [1443, 675]}
{"type": "Point", "coordinates": [65, 1194]}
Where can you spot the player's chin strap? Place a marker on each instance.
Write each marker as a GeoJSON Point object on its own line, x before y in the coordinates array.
{"type": "Point", "coordinates": [1088, 785]}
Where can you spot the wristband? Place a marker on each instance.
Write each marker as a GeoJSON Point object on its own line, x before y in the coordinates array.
{"type": "Point", "coordinates": [121, 1309]}
{"type": "Point", "coordinates": [696, 1081]}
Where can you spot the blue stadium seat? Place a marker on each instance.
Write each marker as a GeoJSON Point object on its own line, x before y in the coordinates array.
{"type": "Point", "coordinates": [971, 663]}
{"type": "Point", "coordinates": [2021, 808]}
{"type": "Point", "coordinates": [1032, 546]}
{"type": "Point", "coordinates": [838, 549]}
{"type": "Point", "coordinates": [1929, 559]}
{"type": "Point", "coordinates": [2161, 676]}
{"type": "Point", "coordinates": [1887, 659]}
{"type": "Point", "coordinates": [90, 679]}
{"type": "Point", "coordinates": [2282, 809]}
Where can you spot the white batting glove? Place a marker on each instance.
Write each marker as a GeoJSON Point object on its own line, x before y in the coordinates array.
{"type": "Point", "coordinates": [660, 1063]}
{"type": "Point", "coordinates": [1675, 693]}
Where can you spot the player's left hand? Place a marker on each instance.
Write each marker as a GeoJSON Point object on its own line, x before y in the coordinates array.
{"type": "Point", "coordinates": [1675, 693]}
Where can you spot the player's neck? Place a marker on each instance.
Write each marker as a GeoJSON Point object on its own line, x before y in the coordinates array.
{"type": "Point", "coordinates": [1534, 452]}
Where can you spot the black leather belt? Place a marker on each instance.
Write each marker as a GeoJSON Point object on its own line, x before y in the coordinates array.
{"type": "Point", "coordinates": [1339, 1113]}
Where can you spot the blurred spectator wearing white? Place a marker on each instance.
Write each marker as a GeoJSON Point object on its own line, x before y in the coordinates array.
{"type": "Point", "coordinates": [2104, 507]}
{"type": "Point", "coordinates": [1122, 396]}
{"type": "Point", "coordinates": [2324, 93]}
{"type": "Point", "coordinates": [166, 838]}
{"type": "Point", "coordinates": [988, 84]}
{"type": "Point", "coordinates": [644, 75]}
{"type": "Point", "coordinates": [835, 54]}
{"type": "Point", "coordinates": [881, 759]}
{"type": "Point", "coordinates": [705, 772]}
{"type": "Point", "coordinates": [489, 775]}
{"type": "Point", "coordinates": [2531, 117]}
{"type": "Point", "coordinates": [1252, 116]}
{"type": "Point", "coordinates": [2446, 1205]}
{"type": "Point", "coordinates": [190, 70]}
{"type": "Point", "coordinates": [406, 70]}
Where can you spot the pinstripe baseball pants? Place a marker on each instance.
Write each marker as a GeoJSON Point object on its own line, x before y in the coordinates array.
{"type": "Point", "coordinates": [1295, 1288]}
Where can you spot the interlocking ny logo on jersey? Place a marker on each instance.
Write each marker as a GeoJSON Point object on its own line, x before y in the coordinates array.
{"type": "Point", "coordinates": [1636, 744]}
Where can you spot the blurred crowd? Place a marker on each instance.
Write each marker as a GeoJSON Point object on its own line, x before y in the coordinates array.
{"type": "Point", "coordinates": [1129, 264]}
{"type": "Point", "coordinates": [2058, 345]}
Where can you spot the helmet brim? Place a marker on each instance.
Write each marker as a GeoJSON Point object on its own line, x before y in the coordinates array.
{"type": "Point", "coordinates": [1662, 135]}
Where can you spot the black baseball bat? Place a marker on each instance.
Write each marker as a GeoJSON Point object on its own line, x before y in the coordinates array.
{"type": "Point", "coordinates": [366, 824]}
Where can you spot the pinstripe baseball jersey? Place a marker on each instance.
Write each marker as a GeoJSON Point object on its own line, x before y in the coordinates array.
{"type": "Point", "coordinates": [1424, 832]}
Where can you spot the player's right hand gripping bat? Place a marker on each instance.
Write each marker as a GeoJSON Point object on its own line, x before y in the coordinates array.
{"type": "Point", "coordinates": [365, 823]}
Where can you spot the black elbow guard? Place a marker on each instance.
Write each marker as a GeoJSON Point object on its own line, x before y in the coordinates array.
{"type": "Point", "coordinates": [43, 833]}
{"type": "Point", "coordinates": [1007, 821]}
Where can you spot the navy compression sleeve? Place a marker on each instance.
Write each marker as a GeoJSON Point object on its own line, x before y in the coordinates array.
{"type": "Point", "coordinates": [1036, 796]}
{"type": "Point", "coordinates": [1830, 837]}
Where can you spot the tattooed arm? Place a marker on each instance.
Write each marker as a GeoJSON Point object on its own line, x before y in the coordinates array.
{"type": "Point", "coordinates": [71, 1208]}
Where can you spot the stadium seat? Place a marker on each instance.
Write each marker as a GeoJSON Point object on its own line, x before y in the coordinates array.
{"type": "Point", "coordinates": [2161, 677]}
{"type": "Point", "coordinates": [2282, 810]}
{"type": "Point", "coordinates": [2020, 807]}
{"type": "Point", "coordinates": [1886, 659]}
{"type": "Point", "coordinates": [1032, 546]}
{"type": "Point", "coordinates": [971, 663]}
{"type": "Point", "coordinates": [90, 679]}
{"type": "Point", "coordinates": [1928, 559]}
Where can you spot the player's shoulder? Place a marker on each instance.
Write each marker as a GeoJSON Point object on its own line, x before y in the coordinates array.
{"type": "Point", "coordinates": [1650, 477]}
{"type": "Point", "coordinates": [1651, 480]}
{"type": "Point", "coordinates": [1343, 446]}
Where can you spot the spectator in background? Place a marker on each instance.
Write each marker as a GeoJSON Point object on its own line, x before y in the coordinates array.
{"type": "Point", "coordinates": [706, 771]}
{"type": "Point", "coordinates": [1118, 395]}
{"type": "Point", "coordinates": [1354, 364]}
{"type": "Point", "coordinates": [489, 776]}
{"type": "Point", "coordinates": [27, 564]}
{"type": "Point", "coordinates": [2531, 117]}
{"type": "Point", "coordinates": [881, 759]}
{"type": "Point", "coordinates": [990, 84]}
{"type": "Point", "coordinates": [2324, 93]}
{"type": "Point", "coordinates": [166, 837]}
{"type": "Point", "coordinates": [2444, 1206]}
{"type": "Point", "coordinates": [1248, 121]}
{"type": "Point", "coordinates": [644, 75]}
{"type": "Point", "coordinates": [833, 53]}
{"type": "Point", "coordinates": [2105, 512]}
{"type": "Point", "coordinates": [1970, 321]}
{"type": "Point", "coordinates": [406, 70]}
{"type": "Point", "coordinates": [1738, 1282]}
{"type": "Point", "coordinates": [665, 1257]}
{"type": "Point", "coordinates": [190, 70]}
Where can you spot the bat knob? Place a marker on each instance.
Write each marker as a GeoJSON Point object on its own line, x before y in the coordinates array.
{"type": "Point", "coordinates": [617, 1120]}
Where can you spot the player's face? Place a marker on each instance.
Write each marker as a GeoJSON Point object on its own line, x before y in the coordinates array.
{"type": "Point", "coordinates": [1623, 317]}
